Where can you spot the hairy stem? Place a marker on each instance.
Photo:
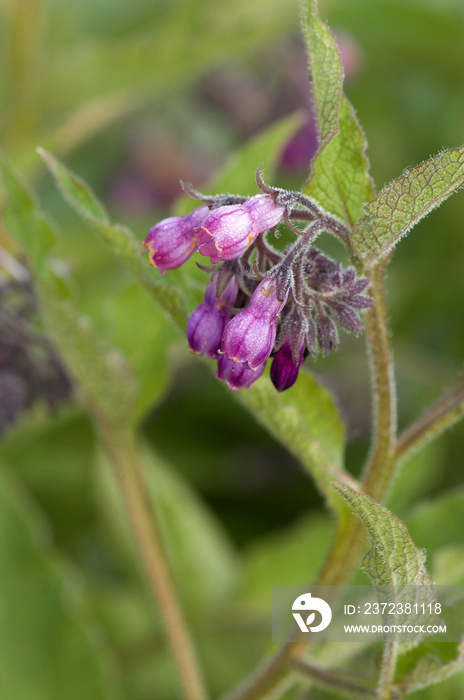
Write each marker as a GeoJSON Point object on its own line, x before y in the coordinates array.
{"type": "Point", "coordinates": [334, 680]}
{"type": "Point", "coordinates": [124, 461]}
{"type": "Point", "coordinates": [350, 535]}
{"type": "Point", "coordinates": [381, 464]}
{"type": "Point", "coordinates": [269, 674]}
{"type": "Point", "coordinates": [387, 674]}
{"type": "Point", "coordinates": [444, 413]}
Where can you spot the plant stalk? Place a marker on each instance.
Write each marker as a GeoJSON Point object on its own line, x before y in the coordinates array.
{"type": "Point", "coordinates": [350, 536]}
{"type": "Point", "coordinates": [444, 413]}
{"type": "Point", "coordinates": [387, 674]}
{"type": "Point", "coordinates": [381, 464]}
{"type": "Point", "coordinates": [124, 460]}
{"type": "Point", "coordinates": [334, 680]}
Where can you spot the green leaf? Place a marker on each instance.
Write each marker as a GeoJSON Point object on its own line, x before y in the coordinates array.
{"type": "Point", "coordinates": [326, 72]}
{"type": "Point", "coordinates": [431, 661]}
{"type": "Point", "coordinates": [239, 174]}
{"type": "Point", "coordinates": [22, 217]}
{"type": "Point", "coordinates": [74, 190]}
{"type": "Point", "coordinates": [395, 565]}
{"type": "Point", "coordinates": [438, 523]}
{"type": "Point", "coordinates": [103, 375]}
{"type": "Point", "coordinates": [394, 560]}
{"type": "Point", "coordinates": [305, 420]}
{"type": "Point", "coordinates": [203, 560]}
{"type": "Point", "coordinates": [144, 338]}
{"type": "Point", "coordinates": [448, 565]}
{"type": "Point", "coordinates": [404, 202]}
{"type": "Point", "coordinates": [428, 664]}
{"type": "Point", "coordinates": [285, 558]}
{"type": "Point", "coordinates": [340, 178]}
{"type": "Point", "coordinates": [46, 649]}
{"type": "Point", "coordinates": [120, 239]}
{"type": "Point", "coordinates": [339, 175]}
{"type": "Point", "coordinates": [415, 481]}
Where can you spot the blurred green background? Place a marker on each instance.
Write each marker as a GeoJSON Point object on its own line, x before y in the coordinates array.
{"type": "Point", "coordinates": [134, 97]}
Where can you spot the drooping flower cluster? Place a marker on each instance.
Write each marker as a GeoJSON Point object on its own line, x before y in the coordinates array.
{"type": "Point", "coordinates": [261, 303]}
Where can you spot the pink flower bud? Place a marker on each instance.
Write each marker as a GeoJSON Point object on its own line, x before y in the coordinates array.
{"type": "Point", "coordinates": [172, 241]}
{"type": "Point", "coordinates": [264, 301]}
{"type": "Point", "coordinates": [249, 337]}
{"type": "Point", "coordinates": [207, 323]}
{"type": "Point", "coordinates": [284, 371]}
{"type": "Point", "coordinates": [228, 231]}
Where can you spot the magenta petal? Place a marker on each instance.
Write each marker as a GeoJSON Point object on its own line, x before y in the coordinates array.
{"type": "Point", "coordinates": [172, 241]}
{"type": "Point", "coordinates": [226, 233]}
{"type": "Point", "coordinates": [264, 301]}
{"type": "Point", "coordinates": [206, 324]}
{"type": "Point", "coordinates": [264, 212]}
{"type": "Point", "coordinates": [228, 296]}
{"type": "Point", "coordinates": [204, 330]}
{"type": "Point", "coordinates": [237, 375]}
{"type": "Point", "coordinates": [248, 339]}
{"type": "Point", "coordinates": [284, 372]}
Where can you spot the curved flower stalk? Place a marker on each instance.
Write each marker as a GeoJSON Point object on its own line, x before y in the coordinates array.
{"type": "Point", "coordinates": [261, 303]}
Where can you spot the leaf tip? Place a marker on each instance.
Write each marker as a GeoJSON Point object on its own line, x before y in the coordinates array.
{"type": "Point", "coordinates": [342, 488]}
{"type": "Point", "coordinates": [45, 155]}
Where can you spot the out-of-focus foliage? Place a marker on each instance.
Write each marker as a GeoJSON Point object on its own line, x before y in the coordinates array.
{"type": "Point", "coordinates": [137, 96]}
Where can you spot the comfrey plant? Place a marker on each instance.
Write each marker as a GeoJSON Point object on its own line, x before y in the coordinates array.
{"type": "Point", "coordinates": [259, 302]}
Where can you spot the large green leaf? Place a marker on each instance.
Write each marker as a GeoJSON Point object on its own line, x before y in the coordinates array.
{"type": "Point", "coordinates": [120, 239]}
{"type": "Point", "coordinates": [47, 651]}
{"type": "Point", "coordinates": [103, 375]}
{"type": "Point", "coordinates": [306, 421]}
{"type": "Point", "coordinates": [339, 177]}
{"type": "Point", "coordinates": [326, 72]}
{"type": "Point", "coordinates": [404, 202]}
{"type": "Point", "coordinates": [438, 525]}
{"type": "Point", "coordinates": [396, 567]}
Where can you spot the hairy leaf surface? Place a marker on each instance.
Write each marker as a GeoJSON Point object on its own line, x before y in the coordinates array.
{"type": "Point", "coordinates": [305, 420]}
{"type": "Point", "coordinates": [404, 202]}
{"type": "Point", "coordinates": [120, 239]}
